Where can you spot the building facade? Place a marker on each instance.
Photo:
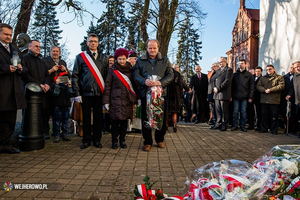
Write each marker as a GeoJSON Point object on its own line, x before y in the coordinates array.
{"type": "Point", "coordinates": [245, 38]}
{"type": "Point", "coordinates": [279, 41]}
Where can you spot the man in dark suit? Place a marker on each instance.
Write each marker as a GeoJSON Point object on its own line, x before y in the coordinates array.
{"type": "Point", "coordinates": [54, 63]}
{"type": "Point", "coordinates": [287, 95]}
{"type": "Point", "coordinates": [256, 98]}
{"type": "Point", "coordinates": [38, 73]}
{"type": "Point", "coordinates": [222, 94]}
{"type": "Point", "coordinates": [199, 83]}
{"type": "Point", "coordinates": [11, 92]}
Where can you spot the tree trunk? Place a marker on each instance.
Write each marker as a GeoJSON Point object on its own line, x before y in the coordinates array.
{"type": "Point", "coordinates": [23, 18]}
{"type": "Point", "coordinates": [143, 21]}
{"type": "Point", "coordinates": [166, 24]}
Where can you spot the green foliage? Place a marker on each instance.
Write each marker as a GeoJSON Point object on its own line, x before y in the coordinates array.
{"type": "Point", "coordinates": [134, 40]}
{"type": "Point", "coordinates": [189, 47]}
{"type": "Point", "coordinates": [46, 27]}
{"type": "Point", "coordinates": [111, 26]}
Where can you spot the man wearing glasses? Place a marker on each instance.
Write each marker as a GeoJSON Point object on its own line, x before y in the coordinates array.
{"type": "Point", "coordinates": [89, 73]}
{"type": "Point", "coordinates": [222, 94]}
{"type": "Point", "coordinates": [270, 87]}
{"type": "Point", "coordinates": [38, 73]}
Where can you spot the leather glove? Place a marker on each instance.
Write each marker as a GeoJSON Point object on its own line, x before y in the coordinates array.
{"type": "Point", "coordinates": [106, 107]}
{"type": "Point", "coordinates": [78, 99]}
{"type": "Point", "coordinates": [139, 103]}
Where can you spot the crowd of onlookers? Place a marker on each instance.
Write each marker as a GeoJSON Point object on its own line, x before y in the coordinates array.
{"type": "Point", "coordinates": [109, 87]}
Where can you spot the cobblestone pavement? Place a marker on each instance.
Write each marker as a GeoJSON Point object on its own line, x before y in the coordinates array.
{"type": "Point", "coordinates": [72, 173]}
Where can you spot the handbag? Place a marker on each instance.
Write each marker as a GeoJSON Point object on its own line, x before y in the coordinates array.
{"type": "Point", "coordinates": [76, 111]}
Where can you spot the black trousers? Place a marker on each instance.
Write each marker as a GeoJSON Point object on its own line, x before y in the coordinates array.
{"type": "Point", "coordinates": [89, 102]}
{"type": "Point", "coordinates": [147, 133]}
{"type": "Point", "coordinates": [269, 115]}
{"type": "Point", "coordinates": [258, 114]}
{"type": "Point", "coordinates": [118, 128]}
{"type": "Point", "coordinates": [46, 113]}
{"type": "Point", "coordinates": [222, 111]}
{"type": "Point", "coordinates": [7, 127]}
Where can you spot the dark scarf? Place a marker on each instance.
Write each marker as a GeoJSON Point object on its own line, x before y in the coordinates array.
{"type": "Point", "coordinates": [123, 69]}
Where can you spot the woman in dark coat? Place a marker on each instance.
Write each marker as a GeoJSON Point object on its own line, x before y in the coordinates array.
{"type": "Point", "coordinates": [175, 94]}
{"type": "Point", "coordinates": [119, 96]}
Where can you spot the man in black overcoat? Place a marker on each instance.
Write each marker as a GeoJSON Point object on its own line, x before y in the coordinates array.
{"type": "Point", "coordinates": [11, 91]}
{"type": "Point", "coordinates": [38, 73]}
{"type": "Point", "coordinates": [199, 83]}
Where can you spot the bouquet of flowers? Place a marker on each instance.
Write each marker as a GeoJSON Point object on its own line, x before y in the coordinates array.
{"type": "Point", "coordinates": [155, 102]}
{"type": "Point", "coordinates": [274, 176]}
{"type": "Point", "coordinates": [145, 192]}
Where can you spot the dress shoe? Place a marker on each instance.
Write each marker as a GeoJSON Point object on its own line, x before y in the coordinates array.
{"type": "Point", "coordinates": [234, 128]}
{"type": "Point", "coordinates": [97, 145]}
{"type": "Point", "coordinates": [46, 136]}
{"type": "Point", "coordinates": [147, 147]}
{"type": "Point", "coordinates": [274, 133]}
{"type": "Point", "coordinates": [84, 145]}
{"type": "Point", "coordinates": [243, 129]}
{"type": "Point", "coordinates": [114, 145]}
{"type": "Point", "coordinates": [223, 129]}
{"type": "Point", "coordinates": [56, 139]}
{"type": "Point", "coordinates": [174, 129]}
{"type": "Point", "coordinates": [123, 145]}
{"type": "Point", "coordinates": [66, 138]}
{"type": "Point", "coordinates": [215, 127]}
{"type": "Point", "coordinates": [10, 151]}
{"type": "Point", "coordinates": [250, 128]}
{"type": "Point", "coordinates": [103, 132]}
{"type": "Point", "coordinates": [161, 145]}
{"type": "Point", "coordinates": [211, 122]}
{"type": "Point", "coordinates": [257, 129]}
{"type": "Point", "coordinates": [196, 122]}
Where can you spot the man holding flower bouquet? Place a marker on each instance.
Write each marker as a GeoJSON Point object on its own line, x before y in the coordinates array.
{"type": "Point", "coordinates": [153, 63]}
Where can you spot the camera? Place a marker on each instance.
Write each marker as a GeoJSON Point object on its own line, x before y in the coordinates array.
{"type": "Point", "coordinates": [59, 67]}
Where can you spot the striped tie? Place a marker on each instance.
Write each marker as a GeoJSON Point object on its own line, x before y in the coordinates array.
{"type": "Point", "coordinates": [7, 47]}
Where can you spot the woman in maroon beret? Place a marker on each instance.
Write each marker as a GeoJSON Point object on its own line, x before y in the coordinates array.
{"type": "Point", "coordinates": [120, 96]}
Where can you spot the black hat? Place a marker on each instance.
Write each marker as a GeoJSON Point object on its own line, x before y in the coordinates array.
{"type": "Point", "coordinates": [132, 54]}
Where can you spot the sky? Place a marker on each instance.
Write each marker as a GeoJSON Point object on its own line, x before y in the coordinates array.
{"type": "Point", "coordinates": [216, 34]}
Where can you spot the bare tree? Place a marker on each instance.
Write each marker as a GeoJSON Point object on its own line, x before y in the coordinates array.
{"type": "Point", "coordinates": [165, 15]}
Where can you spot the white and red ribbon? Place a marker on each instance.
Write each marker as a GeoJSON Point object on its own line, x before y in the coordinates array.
{"type": "Point", "coordinates": [125, 80]}
{"type": "Point", "coordinates": [94, 69]}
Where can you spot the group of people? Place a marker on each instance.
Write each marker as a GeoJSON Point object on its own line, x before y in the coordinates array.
{"type": "Point", "coordinates": [242, 97]}
{"type": "Point", "coordinates": [99, 82]}
{"type": "Point", "coordinates": [113, 84]}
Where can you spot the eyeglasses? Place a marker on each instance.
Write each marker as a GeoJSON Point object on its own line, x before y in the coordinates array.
{"type": "Point", "coordinates": [269, 69]}
{"type": "Point", "coordinates": [93, 41]}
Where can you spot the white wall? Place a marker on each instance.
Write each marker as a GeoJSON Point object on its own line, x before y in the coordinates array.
{"type": "Point", "coordinates": [279, 40]}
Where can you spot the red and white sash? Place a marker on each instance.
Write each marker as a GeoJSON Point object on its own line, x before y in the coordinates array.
{"type": "Point", "coordinates": [125, 80]}
{"type": "Point", "coordinates": [95, 71]}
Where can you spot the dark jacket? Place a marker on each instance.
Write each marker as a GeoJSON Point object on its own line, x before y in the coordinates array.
{"type": "Point", "coordinates": [161, 67]}
{"type": "Point", "coordinates": [200, 103]}
{"type": "Point", "coordinates": [175, 92]}
{"type": "Point", "coordinates": [61, 94]}
{"type": "Point", "coordinates": [223, 79]}
{"type": "Point", "coordinates": [210, 90]}
{"type": "Point", "coordinates": [38, 73]}
{"type": "Point", "coordinates": [296, 84]}
{"type": "Point", "coordinates": [50, 63]}
{"type": "Point", "coordinates": [83, 81]}
{"type": "Point", "coordinates": [116, 94]}
{"type": "Point", "coordinates": [11, 89]}
{"type": "Point", "coordinates": [242, 85]}
{"type": "Point", "coordinates": [275, 83]}
{"type": "Point", "coordinates": [256, 93]}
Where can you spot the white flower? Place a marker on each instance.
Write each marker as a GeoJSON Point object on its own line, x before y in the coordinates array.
{"type": "Point", "coordinates": [289, 167]}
